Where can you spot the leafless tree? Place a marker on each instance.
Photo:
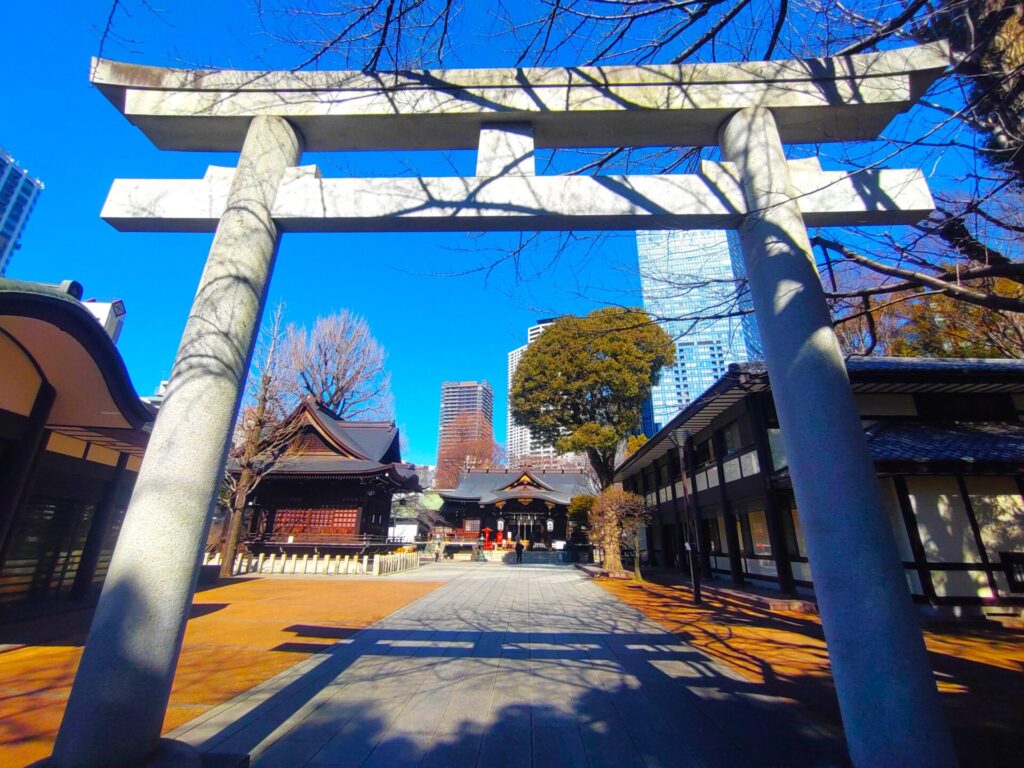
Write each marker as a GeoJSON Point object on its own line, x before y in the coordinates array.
{"type": "Point", "coordinates": [967, 132]}
{"type": "Point", "coordinates": [971, 125]}
{"type": "Point", "coordinates": [264, 434]}
{"type": "Point", "coordinates": [469, 444]}
{"type": "Point", "coordinates": [341, 366]}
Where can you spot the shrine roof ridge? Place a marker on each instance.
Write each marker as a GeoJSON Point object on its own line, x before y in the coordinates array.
{"type": "Point", "coordinates": [820, 99]}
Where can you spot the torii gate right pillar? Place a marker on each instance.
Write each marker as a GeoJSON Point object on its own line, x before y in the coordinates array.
{"type": "Point", "coordinates": [888, 698]}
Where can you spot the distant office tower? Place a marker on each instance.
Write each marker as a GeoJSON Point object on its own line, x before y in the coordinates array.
{"type": "Point", "coordinates": [467, 412]}
{"type": "Point", "coordinates": [18, 193]}
{"type": "Point", "coordinates": [684, 276]}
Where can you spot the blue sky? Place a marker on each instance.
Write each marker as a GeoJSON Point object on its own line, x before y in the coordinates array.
{"type": "Point", "coordinates": [435, 324]}
{"type": "Point", "coordinates": [426, 298]}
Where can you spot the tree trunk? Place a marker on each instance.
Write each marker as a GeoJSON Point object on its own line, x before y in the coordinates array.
{"type": "Point", "coordinates": [636, 555]}
{"type": "Point", "coordinates": [233, 526]}
{"type": "Point", "coordinates": [605, 473]}
{"type": "Point", "coordinates": [613, 549]}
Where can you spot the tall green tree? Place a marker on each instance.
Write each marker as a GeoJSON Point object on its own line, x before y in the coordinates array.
{"type": "Point", "coordinates": [581, 385]}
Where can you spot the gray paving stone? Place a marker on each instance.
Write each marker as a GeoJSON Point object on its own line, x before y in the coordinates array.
{"type": "Point", "coordinates": [518, 667]}
{"type": "Point", "coordinates": [558, 747]}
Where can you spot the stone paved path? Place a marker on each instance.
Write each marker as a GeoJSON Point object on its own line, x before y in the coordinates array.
{"type": "Point", "coordinates": [530, 666]}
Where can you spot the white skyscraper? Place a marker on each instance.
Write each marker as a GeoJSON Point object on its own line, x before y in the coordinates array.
{"type": "Point", "coordinates": [685, 276]}
{"type": "Point", "coordinates": [520, 442]}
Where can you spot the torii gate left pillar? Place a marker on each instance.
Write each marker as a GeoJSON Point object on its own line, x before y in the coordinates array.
{"type": "Point", "coordinates": [886, 692]}
{"type": "Point", "coordinates": [117, 706]}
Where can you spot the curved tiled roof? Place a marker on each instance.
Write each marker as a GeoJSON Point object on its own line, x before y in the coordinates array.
{"type": "Point", "coordinates": [490, 486]}
{"type": "Point", "coordinates": [361, 449]}
{"type": "Point", "coordinates": [96, 400]}
{"type": "Point", "coordinates": [371, 440]}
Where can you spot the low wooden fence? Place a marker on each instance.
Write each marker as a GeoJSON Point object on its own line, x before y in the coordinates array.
{"type": "Point", "coordinates": [324, 565]}
{"type": "Point", "coordinates": [400, 561]}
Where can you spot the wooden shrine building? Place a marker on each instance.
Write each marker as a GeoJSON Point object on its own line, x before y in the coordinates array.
{"type": "Point", "coordinates": [72, 435]}
{"type": "Point", "coordinates": [947, 439]}
{"type": "Point", "coordinates": [334, 491]}
{"type": "Point", "coordinates": [500, 505]}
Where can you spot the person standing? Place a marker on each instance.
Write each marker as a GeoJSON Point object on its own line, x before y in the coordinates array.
{"type": "Point", "coordinates": [519, 551]}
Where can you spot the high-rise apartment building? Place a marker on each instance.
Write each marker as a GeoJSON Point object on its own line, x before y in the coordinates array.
{"type": "Point", "coordinates": [466, 435]}
{"type": "Point", "coordinates": [520, 442]}
{"type": "Point", "coordinates": [18, 193]}
{"type": "Point", "coordinates": [523, 447]}
{"type": "Point", "coordinates": [467, 413]}
{"type": "Point", "coordinates": [686, 276]}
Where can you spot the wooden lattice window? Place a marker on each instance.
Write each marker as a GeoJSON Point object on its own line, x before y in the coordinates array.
{"type": "Point", "coordinates": [329, 521]}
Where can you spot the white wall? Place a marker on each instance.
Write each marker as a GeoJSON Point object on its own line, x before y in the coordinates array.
{"type": "Point", "coordinates": [946, 535]}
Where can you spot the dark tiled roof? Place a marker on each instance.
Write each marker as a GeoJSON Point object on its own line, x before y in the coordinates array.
{"type": "Point", "coordinates": [920, 442]}
{"type": "Point", "coordinates": [867, 375]}
{"type": "Point", "coordinates": [966, 365]}
{"type": "Point", "coordinates": [484, 487]}
{"type": "Point", "coordinates": [375, 444]}
{"type": "Point", "coordinates": [376, 440]}
{"type": "Point", "coordinates": [973, 366]}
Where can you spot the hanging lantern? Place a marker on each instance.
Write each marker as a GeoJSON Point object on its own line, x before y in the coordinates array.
{"type": "Point", "coordinates": [551, 525]}
{"type": "Point", "coordinates": [501, 524]}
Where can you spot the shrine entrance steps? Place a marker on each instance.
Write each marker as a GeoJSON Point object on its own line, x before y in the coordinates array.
{"type": "Point", "coordinates": [529, 557]}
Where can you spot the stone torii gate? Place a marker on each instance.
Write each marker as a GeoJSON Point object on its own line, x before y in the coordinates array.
{"type": "Point", "coordinates": [886, 691]}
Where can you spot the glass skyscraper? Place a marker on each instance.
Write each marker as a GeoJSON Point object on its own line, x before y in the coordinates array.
{"type": "Point", "coordinates": [18, 193]}
{"type": "Point", "coordinates": [687, 277]}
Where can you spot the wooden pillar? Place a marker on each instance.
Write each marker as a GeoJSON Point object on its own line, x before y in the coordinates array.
{"type": "Point", "coordinates": [976, 533]}
{"type": "Point", "coordinates": [731, 537]}
{"type": "Point", "coordinates": [98, 530]}
{"type": "Point", "coordinates": [18, 470]}
{"type": "Point", "coordinates": [914, 536]}
{"type": "Point", "coordinates": [733, 540]}
{"type": "Point", "coordinates": [776, 536]}
{"type": "Point", "coordinates": [682, 535]}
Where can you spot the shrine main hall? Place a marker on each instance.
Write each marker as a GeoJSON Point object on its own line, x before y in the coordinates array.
{"type": "Point", "coordinates": [502, 505]}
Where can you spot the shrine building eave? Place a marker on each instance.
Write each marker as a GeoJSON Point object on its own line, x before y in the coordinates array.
{"type": "Point", "coordinates": [401, 477]}
{"type": "Point", "coordinates": [842, 98]}
{"type": "Point", "coordinates": [493, 487]}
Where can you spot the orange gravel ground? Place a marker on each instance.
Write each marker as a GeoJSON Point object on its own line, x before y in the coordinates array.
{"type": "Point", "coordinates": [240, 634]}
{"type": "Point", "coordinates": [979, 669]}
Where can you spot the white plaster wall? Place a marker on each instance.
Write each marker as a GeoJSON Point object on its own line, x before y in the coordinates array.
{"type": "Point", "coordinates": [892, 509]}
{"type": "Point", "coordinates": [946, 535]}
{"type": "Point", "coordinates": [999, 510]}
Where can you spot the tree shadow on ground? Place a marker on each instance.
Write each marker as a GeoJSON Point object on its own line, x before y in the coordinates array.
{"type": "Point", "coordinates": [394, 697]}
{"type": "Point", "coordinates": [978, 669]}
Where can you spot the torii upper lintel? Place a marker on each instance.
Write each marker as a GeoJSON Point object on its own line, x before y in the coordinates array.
{"type": "Point", "coordinates": [845, 98]}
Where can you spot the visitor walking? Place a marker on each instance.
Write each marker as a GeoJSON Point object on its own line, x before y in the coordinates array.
{"type": "Point", "coordinates": [519, 551]}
